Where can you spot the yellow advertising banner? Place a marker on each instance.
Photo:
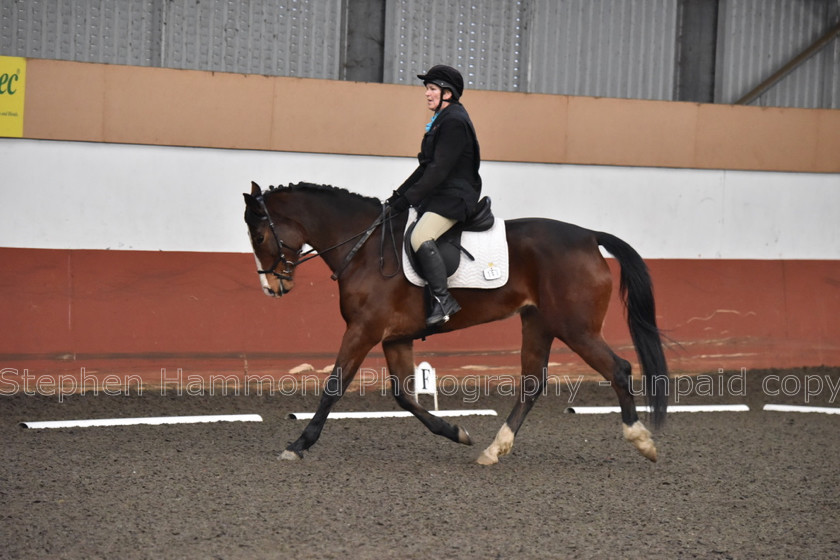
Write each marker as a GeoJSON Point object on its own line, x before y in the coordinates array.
{"type": "Point", "coordinates": [12, 93]}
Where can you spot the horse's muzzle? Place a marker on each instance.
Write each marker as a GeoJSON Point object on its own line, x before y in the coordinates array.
{"type": "Point", "coordinates": [283, 287]}
{"type": "Point", "coordinates": [271, 292]}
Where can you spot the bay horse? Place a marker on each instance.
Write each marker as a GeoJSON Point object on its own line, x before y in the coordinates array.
{"type": "Point", "coordinates": [559, 284]}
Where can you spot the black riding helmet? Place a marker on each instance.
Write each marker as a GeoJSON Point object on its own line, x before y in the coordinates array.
{"type": "Point", "coordinates": [445, 77]}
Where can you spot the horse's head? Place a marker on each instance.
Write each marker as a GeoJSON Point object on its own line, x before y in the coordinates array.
{"type": "Point", "coordinates": [276, 240]}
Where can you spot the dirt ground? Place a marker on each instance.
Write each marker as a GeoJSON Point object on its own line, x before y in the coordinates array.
{"type": "Point", "coordinates": [755, 484]}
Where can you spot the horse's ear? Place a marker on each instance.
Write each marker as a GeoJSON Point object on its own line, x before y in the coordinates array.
{"type": "Point", "coordinates": [255, 189]}
{"type": "Point", "coordinates": [253, 204]}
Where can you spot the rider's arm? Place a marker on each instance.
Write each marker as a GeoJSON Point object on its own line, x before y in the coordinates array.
{"type": "Point", "coordinates": [453, 139]}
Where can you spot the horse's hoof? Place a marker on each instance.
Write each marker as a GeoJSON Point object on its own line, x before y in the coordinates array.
{"type": "Point", "coordinates": [487, 458]}
{"type": "Point", "coordinates": [290, 456]}
{"type": "Point", "coordinates": [464, 436]}
{"type": "Point", "coordinates": [639, 436]}
{"type": "Point", "coordinates": [649, 452]}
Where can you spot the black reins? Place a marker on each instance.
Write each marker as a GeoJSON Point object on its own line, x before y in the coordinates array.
{"type": "Point", "coordinates": [384, 216]}
{"type": "Point", "coordinates": [289, 266]}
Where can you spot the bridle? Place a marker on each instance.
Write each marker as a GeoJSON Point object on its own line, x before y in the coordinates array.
{"type": "Point", "coordinates": [290, 266]}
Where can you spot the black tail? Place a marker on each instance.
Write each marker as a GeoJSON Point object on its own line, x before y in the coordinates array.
{"type": "Point", "coordinates": [637, 294]}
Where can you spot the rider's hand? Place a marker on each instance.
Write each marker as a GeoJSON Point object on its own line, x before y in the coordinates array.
{"type": "Point", "coordinates": [398, 203]}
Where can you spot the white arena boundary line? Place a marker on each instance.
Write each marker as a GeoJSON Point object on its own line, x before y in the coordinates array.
{"type": "Point", "coordinates": [797, 408]}
{"type": "Point", "coordinates": [672, 408]}
{"type": "Point", "coordinates": [152, 421]}
{"type": "Point", "coordinates": [390, 414]}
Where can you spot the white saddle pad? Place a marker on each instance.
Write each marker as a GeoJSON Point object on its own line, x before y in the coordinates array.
{"type": "Point", "coordinates": [488, 270]}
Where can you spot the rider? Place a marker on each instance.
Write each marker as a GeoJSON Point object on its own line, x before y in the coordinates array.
{"type": "Point", "coordinates": [446, 185]}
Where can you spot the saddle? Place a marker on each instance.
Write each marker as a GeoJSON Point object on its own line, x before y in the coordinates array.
{"type": "Point", "coordinates": [449, 244]}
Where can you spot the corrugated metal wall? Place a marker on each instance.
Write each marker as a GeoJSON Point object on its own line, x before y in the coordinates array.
{"type": "Point", "coordinates": [482, 39]}
{"type": "Point", "coordinates": [300, 38]}
{"type": "Point", "coordinates": [578, 47]}
{"type": "Point", "coordinates": [83, 30]}
{"type": "Point", "coordinates": [609, 48]}
{"type": "Point", "coordinates": [613, 48]}
{"type": "Point", "coordinates": [274, 37]}
{"type": "Point", "coordinates": [757, 37]}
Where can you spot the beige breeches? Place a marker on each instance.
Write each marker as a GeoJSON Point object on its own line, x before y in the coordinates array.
{"type": "Point", "coordinates": [430, 227]}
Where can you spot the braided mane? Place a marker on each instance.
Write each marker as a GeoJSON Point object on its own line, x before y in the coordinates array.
{"type": "Point", "coordinates": [325, 189]}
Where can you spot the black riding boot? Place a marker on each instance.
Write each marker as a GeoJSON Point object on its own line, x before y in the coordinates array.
{"type": "Point", "coordinates": [434, 271]}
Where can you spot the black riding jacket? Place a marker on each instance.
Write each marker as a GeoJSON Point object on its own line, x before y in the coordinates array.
{"type": "Point", "coordinates": [447, 180]}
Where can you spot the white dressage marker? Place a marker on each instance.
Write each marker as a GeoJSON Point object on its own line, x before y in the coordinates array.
{"type": "Point", "coordinates": [391, 414]}
{"type": "Point", "coordinates": [795, 408]}
{"type": "Point", "coordinates": [425, 382]}
{"type": "Point", "coordinates": [152, 421]}
{"type": "Point", "coordinates": [672, 408]}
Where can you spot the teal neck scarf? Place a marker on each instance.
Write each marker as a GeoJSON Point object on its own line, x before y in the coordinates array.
{"type": "Point", "coordinates": [429, 124]}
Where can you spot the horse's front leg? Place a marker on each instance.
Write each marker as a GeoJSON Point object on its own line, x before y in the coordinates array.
{"type": "Point", "coordinates": [399, 356]}
{"type": "Point", "coordinates": [355, 345]}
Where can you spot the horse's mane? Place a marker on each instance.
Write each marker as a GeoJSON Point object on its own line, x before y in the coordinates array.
{"type": "Point", "coordinates": [325, 189]}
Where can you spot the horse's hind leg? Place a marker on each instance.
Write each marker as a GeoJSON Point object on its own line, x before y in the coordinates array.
{"type": "Point", "coordinates": [536, 345]}
{"type": "Point", "coordinates": [400, 358]}
{"type": "Point", "coordinates": [595, 352]}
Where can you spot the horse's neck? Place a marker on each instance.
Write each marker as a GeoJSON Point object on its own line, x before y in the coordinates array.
{"type": "Point", "coordinates": [336, 224]}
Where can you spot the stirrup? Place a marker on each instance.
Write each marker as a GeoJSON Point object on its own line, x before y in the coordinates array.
{"type": "Point", "coordinates": [439, 314]}
{"type": "Point", "coordinates": [436, 318]}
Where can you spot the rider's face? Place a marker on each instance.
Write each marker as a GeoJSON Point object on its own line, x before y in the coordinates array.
{"type": "Point", "coordinates": [433, 93]}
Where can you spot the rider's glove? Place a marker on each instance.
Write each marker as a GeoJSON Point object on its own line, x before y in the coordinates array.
{"type": "Point", "coordinates": [398, 203]}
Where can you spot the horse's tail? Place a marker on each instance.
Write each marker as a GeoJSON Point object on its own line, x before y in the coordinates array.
{"type": "Point", "coordinates": [637, 295]}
